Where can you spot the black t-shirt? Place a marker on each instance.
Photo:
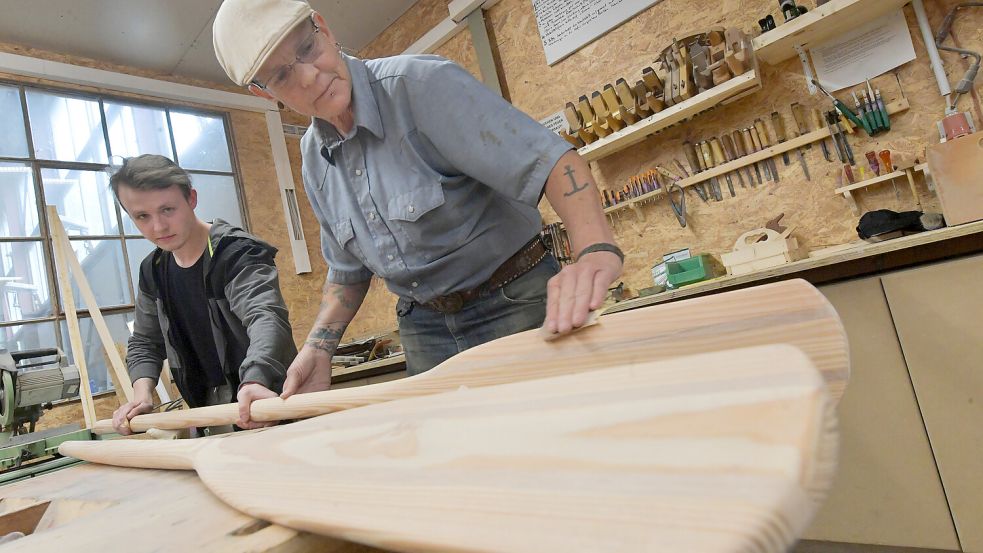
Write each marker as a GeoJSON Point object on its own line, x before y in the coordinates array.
{"type": "Point", "coordinates": [188, 311]}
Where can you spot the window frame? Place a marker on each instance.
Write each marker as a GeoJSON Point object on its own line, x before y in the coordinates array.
{"type": "Point", "coordinates": [58, 316]}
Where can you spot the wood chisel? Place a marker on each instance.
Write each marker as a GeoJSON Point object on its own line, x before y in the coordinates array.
{"type": "Point", "coordinates": [741, 150]}
{"type": "Point", "coordinates": [717, 155]}
{"type": "Point", "coordinates": [836, 141]}
{"type": "Point", "coordinates": [872, 105]}
{"type": "Point", "coordinates": [707, 158]}
{"type": "Point", "coordinates": [759, 145]}
{"type": "Point", "coordinates": [762, 131]}
{"type": "Point", "coordinates": [694, 164]}
{"type": "Point", "coordinates": [749, 146]}
{"type": "Point", "coordinates": [779, 124]}
{"type": "Point", "coordinates": [780, 135]}
{"type": "Point", "coordinates": [817, 120]}
{"type": "Point", "coordinates": [730, 154]}
{"type": "Point", "coordinates": [883, 109]}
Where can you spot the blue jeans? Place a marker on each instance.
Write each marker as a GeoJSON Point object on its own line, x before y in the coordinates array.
{"type": "Point", "coordinates": [430, 337]}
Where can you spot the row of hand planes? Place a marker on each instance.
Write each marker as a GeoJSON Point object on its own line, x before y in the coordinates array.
{"type": "Point", "coordinates": [686, 68]}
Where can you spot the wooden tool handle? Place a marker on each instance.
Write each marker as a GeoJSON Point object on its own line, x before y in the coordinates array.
{"type": "Point", "coordinates": [817, 118]}
{"type": "Point", "coordinates": [779, 125]}
{"type": "Point", "coordinates": [739, 147]}
{"type": "Point", "coordinates": [750, 142]}
{"type": "Point", "coordinates": [692, 157]}
{"type": "Point", "coordinates": [728, 147]}
{"type": "Point", "coordinates": [707, 156]}
{"type": "Point", "coordinates": [158, 454]}
{"type": "Point", "coordinates": [718, 153]}
{"type": "Point", "coordinates": [798, 113]}
{"type": "Point", "coordinates": [762, 132]}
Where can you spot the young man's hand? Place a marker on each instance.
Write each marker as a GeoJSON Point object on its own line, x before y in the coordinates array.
{"type": "Point", "coordinates": [142, 403]}
{"type": "Point", "coordinates": [248, 393]}
{"type": "Point", "coordinates": [310, 372]}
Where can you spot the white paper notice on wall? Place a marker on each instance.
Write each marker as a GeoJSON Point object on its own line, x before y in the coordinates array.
{"type": "Point", "coordinates": [863, 53]}
{"type": "Point", "coordinates": [567, 25]}
{"type": "Point", "coordinates": [556, 122]}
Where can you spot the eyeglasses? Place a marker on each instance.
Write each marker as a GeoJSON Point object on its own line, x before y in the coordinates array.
{"type": "Point", "coordinates": [308, 51]}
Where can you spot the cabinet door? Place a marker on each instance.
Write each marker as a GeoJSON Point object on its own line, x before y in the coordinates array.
{"type": "Point", "coordinates": [938, 311]}
{"type": "Point", "coordinates": [887, 489]}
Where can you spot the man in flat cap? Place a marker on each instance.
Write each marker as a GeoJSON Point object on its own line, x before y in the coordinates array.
{"type": "Point", "coordinates": [421, 175]}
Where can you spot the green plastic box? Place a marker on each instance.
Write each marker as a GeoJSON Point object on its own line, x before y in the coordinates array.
{"type": "Point", "coordinates": [692, 270]}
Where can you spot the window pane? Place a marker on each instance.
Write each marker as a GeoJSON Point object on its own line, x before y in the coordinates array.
{"type": "Point", "coordinates": [136, 130]}
{"type": "Point", "coordinates": [137, 249]}
{"type": "Point", "coordinates": [102, 262]}
{"type": "Point", "coordinates": [84, 201]}
{"type": "Point", "coordinates": [23, 281]}
{"type": "Point", "coordinates": [217, 198]}
{"type": "Point", "coordinates": [18, 202]}
{"type": "Point", "coordinates": [201, 142]}
{"type": "Point", "coordinates": [13, 138]}
{"type": "Point", "coordinates": [95, 357]}
{"type": "Point", "coordinates": [66, 128]}
{"type": "Point", "coordinates": [30, 336]}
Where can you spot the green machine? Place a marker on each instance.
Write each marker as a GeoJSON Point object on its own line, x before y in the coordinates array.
{"type": "Point", "coordinates": [30, 381]}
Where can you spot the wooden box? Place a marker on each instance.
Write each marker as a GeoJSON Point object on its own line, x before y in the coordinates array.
{"type": "Point", "coordinates": [751, 255]}
{"type": "Point", "coordinates": [957, 168]}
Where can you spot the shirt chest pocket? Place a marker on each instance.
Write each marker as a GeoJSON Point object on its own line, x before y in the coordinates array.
{"type": "Point", "coordinates": [344, 234]}
{"type": "Point", "coordinates": [420, 216]}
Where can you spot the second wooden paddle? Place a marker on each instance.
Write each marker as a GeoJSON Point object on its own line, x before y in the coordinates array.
{"type": "Point", "coordinates": [791, 312]}
{"type": "Point", "coordinates": [720, 452]}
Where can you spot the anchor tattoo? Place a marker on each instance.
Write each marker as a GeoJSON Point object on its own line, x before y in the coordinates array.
{"type": "Point", "coordinates": [569, 172]}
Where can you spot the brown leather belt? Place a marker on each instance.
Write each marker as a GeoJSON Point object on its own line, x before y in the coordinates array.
{"type": "Point", "coordinates": [519, 264]}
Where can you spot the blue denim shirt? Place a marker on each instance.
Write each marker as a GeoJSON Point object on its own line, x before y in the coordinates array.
{"type": "Point", "coordinates": [436, 185]}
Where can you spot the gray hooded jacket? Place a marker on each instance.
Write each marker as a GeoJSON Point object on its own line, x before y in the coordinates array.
{"type": "Point", "coordinates": [249, 319]}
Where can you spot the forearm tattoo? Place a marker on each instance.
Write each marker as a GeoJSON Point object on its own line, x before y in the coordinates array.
{"type": "Point", "coordinates": [573, 181]}
{"type": "Point", "coordinates": [340, 294]}
{"type": "Point", "coordinates": [326, 338]}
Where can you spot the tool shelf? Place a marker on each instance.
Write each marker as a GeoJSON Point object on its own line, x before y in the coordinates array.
{"type": "Point", "coordinates": [847, 191]}
{"type": "Point", "coordinates": [633, 134]}
{"type": "Point", "coordinates": [816, 26]}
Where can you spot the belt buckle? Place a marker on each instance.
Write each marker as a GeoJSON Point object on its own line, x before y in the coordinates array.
{"type": "Point", "coordinates": [451, 303]}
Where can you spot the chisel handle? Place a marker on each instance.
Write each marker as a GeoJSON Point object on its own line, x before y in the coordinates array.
{"type": "Point", "coordinates": [707, 156]}
{"type": "Point", "coordinates": [762, 132]}
{"type": "Point", "coordinates": [718, 153]}
{"type": "Point", "coordinates": [779, 126]}
{"type": "Point", "coordinates": [739, 147]}
{"type": "Point", "coordinates": [691, 156]}
{"type": "Point", "coordinates": [755, 139]}
{"type": "Point", "coordinates": [728, 145]}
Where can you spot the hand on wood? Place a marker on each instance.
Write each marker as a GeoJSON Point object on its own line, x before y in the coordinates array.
{"type": "Point", "coordinates": [122, 416]}
{"type": "Point", "coordinates": [310, 372]}
{"type": "Point", "coordinates": [579, 289]}
{"type": "Point", "coordinates": [249, 393]}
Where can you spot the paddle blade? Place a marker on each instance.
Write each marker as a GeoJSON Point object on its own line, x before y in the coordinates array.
{"type": "Point", "coordinates": [728, 451]}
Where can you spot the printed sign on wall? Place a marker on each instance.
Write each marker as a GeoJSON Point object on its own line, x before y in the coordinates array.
{"type": "Point", "coordinates": [567, 25]}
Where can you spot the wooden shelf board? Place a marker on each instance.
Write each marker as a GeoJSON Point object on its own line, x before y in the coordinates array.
{"type": "Point", "coordinates": [819, 24]}
{"type": "Point", "coordinates": [848, 253]}
{"type": "Point", "coordinates": [652, 124]}
{"type": "Point", "coordinates": [876, 180]}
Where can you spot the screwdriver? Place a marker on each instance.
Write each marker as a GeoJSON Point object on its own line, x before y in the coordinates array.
{"type": "Point", "coordinates": [843, 108]}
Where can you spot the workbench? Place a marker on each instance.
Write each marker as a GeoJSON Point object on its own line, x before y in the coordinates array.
{"type": "Point", "coordinates": [105, 509]}
{"type": "Point", "coordinates": [856, 260]}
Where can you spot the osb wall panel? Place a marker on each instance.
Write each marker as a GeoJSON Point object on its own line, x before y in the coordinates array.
{"type": "Point", "coordinates": [822, 219]}
{"type": "Point", "coordinates": [254, 155]}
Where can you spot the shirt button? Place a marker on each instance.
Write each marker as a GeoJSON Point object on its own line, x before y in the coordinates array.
{"type": "Point", "coordinates": [391, 257]}
{"type": "Point", "coordinates": [415, 284]}
{"type": "Point", "coordinates": [411, 209]}
{"type": "Point", "coordinates": [358, 172]}
{"type": "Point", "coordinates": [372, 216]}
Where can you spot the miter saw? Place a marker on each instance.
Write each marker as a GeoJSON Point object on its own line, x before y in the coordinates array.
{"type": "Point", "coordinates": [29, 382]}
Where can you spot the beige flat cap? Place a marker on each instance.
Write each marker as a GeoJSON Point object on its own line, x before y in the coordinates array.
{"type": "Point", "coordinates": [245, 32]}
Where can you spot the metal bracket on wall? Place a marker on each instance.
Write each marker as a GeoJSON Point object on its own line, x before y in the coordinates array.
{"type": "Point", "coordinates": [806, 68]}
{"type": "Point", "coordinates": [482, 46]}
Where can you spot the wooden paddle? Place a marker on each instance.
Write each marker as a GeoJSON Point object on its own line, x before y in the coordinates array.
{"type": "Point", "coordinates": [725, 451]}
{"type": "Point", "coordinates": [791, 312]}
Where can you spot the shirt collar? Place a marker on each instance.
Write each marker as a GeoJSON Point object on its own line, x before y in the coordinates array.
{"type": "Point", "coordinates": [366, 108]}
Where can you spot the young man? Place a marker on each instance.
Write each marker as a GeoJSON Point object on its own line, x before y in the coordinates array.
{"type": "Point", "coordinates": [421, 175]}
{"type": "Point", "coordinates": [209, 300]}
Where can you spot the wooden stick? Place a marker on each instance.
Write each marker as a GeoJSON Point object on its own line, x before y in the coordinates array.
{"type": "Point", "coordinates": [63, 250]}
